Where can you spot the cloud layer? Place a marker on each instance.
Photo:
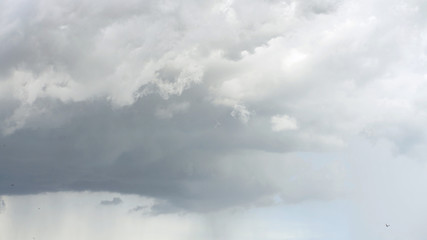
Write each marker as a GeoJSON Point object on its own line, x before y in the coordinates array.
{"type": "Point", "coordinates": [205, 105]}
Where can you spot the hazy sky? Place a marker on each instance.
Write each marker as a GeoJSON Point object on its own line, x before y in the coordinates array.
{"type": "Point", "coordinates": [228, 120]}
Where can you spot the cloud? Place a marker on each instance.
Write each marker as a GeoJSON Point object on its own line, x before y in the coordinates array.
{"type": "Point", "coordinates": [282, 123]}
{"type": "Point", "coordinates": [126, 96]}
{"type": "Point", "coordinates": [114, 201]}
{"type": "Point", "coordinates": [169, 111]}
{"type": "Point", "coordinates": [240, 112]}
{"type": "Point", "coordinates": [138, 209]}
{"type": "Point", "coordinates": [164, 207]}
{"type": "Point", "coordinates": [2, 205]}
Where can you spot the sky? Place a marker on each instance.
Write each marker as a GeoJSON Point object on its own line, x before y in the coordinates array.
{"type": "Point", "coordinates": [231, 120]}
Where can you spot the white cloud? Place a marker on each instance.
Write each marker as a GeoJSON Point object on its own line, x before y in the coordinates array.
{"type": "Point", "coordinates": [283, 123]}
{"type": "Point", "coordinates": [241, 112]}
{"type": "Point", "coordinates": [291, 62]}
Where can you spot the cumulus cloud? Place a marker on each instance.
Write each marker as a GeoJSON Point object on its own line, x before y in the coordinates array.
{"type": "Point", "coordinates": [126, 96]}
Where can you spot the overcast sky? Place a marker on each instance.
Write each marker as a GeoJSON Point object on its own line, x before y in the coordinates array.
{"type": "Point", "coordinates": [228, 120]}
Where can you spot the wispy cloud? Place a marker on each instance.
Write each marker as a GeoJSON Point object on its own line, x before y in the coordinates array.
{"type": "Point", "coordinates": [114, 201]}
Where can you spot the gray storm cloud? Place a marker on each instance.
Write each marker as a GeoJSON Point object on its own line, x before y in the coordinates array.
{"type": "Point", "coordinates": [204, 104]}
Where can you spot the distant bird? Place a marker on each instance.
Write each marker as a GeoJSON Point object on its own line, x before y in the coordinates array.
{"type": "Point", "coordinates": [387, 225]}
{"type": "Point", "coordinates": [12, 185]}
